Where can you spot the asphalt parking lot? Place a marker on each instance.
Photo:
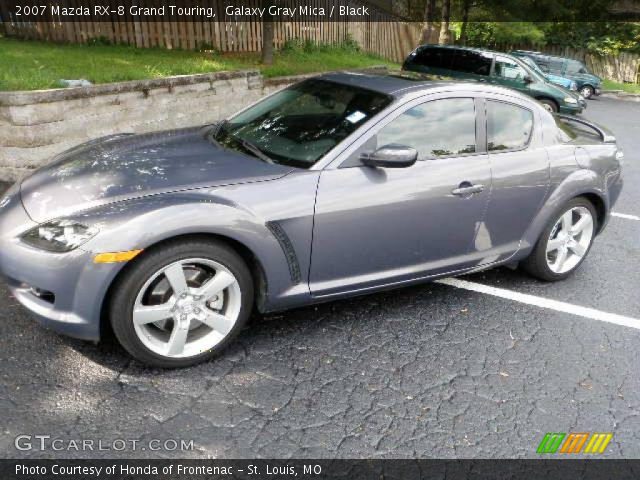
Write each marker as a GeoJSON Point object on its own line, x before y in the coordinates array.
{"type": "Point", "coordinates": [427, 371]}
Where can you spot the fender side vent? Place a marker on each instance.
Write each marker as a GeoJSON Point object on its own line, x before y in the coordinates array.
{"type": "Point", "coordinates": [289, 252]}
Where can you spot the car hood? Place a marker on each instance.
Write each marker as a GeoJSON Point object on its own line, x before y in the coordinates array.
{"type": "Point", "coordinates": [122, 167]}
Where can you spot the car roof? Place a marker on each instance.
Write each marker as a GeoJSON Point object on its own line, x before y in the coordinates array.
{"type": "Point", "coordinates": [532, 52]}
{"type": "Point", "coordinates": [471, 49]}
{"type": "Point", "coordinates": [404, 84]}
{"type": "Point", "coordinates": [542, 54]}
{"type": "Point", "coordinates": [390, 84]}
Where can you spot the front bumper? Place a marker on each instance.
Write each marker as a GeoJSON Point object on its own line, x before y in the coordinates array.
{"type": "Point", "coordinates": [573, 109]}
{"type": "Point", "coordinates": [75, 286]}
{"type": "Point", "coordinates": [597, 91]}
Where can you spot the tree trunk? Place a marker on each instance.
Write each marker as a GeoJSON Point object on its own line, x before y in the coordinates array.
{"type": "Point", "coordinates": [445, 35]}
{"type": "Point", "coordinates": [428, 27]}
{"type": "Point", "coordinates": [267, 36]}
{"type": "Point", "coordinates": [465, 20]}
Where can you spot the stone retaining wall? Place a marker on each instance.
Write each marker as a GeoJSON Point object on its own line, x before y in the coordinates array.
{"type": "Point", "coordinates": [36, 125]}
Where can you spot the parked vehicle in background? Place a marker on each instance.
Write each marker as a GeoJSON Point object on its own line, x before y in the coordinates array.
{"type": "Point", "coordinates": [556, 79]}
{"type": "Point", "coordinates": [588, 83]}
{"type": "Point", "coordinates": [336, 186]}
{"type": "Point", "coordinates": [496, 68]}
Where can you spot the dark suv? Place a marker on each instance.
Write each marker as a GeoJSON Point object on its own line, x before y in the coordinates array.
{"type": "Point", "coordinates": [496, 68]}
{"type": "Point", "coordinates": [588, 83]}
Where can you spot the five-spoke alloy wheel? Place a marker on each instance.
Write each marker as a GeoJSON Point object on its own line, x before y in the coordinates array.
{"type": "Point", "coordinates": [181, 303]}
{"type": "Point", "coordinates": [565, 242]}
{"type": "Point", "coordinates": [569, 240]}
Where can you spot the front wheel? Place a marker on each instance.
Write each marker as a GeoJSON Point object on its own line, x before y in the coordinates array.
{"type": "Point", "coordinates": [182, 303]}
{"type": "Point", "coordinates": [587, 91]}
{"type": "Point", "coordinates": [565, 242]}
{"type": "Point", "coordinates": [549, 105]}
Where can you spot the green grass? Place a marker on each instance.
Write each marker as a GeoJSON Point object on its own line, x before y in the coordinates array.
{"type": "Point", "coordinates": [627, 87]}
{"type": "Point", "coordinates": [32, 65]}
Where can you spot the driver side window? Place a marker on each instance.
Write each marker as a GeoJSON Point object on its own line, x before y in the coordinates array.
{"type": "Point", "coordinates": [440, 128]}
{"type": "Point", "coordinates": [509, 70]}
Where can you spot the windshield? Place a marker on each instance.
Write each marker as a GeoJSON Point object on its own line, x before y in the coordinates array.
{"type": "Point", "coordinates": [299, 125]}
{"type": "Point", "coordinates": [574, 66]}
{"type": "Point", "coordinates": [533, 72]}
{"type": "Point", "coordinates": [533, 65]}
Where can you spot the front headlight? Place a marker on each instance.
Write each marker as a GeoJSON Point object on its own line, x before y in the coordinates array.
{"type": "Point", "coordinates": [570, 100]}
{"type": "Point", "coordinates": [573, 86]}
{"type": "Point", "coordinates": [59, 235]}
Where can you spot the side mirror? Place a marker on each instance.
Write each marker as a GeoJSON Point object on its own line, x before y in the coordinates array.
{"type": "Point", "coordinates": [390, 156]}
{"type": "Point", "coordinates": [527, 79]}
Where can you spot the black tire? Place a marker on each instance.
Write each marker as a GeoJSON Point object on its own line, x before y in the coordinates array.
{"type": "Point", "coordinates": [549, 104]}
{"type": "Point", "coordinates": [536, 263]}
{"type": "Point", "coordinates": [587, 91]}
{"type": "Point", "coordinates": [134, 277]}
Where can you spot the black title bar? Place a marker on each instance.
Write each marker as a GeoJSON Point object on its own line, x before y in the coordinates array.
{"type": "Point", "coordinates": [546, 469]}
{"type": "Point", "coordinates": [300, 11]}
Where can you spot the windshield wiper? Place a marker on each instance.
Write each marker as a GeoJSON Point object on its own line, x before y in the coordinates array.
{"type": "Point", "coordinates": [251, 148]}
{"type": "Point", "coordinates": [218, 129]}
{"type": "Point", "coordinates": [247, 145]}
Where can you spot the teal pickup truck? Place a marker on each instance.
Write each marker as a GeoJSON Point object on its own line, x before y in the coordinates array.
{"type": "Point", "coordinates": [588, 84]}
{"type": "Point", "coordinates": [557, 79]}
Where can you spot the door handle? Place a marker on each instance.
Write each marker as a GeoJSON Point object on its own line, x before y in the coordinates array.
{"type": "Point", "coordinates": [466, 189]}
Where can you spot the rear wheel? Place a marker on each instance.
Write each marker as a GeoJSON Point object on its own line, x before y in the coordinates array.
{"type": "Point", "coordinates": [587, 91]}
{"type": "Point", "coordinates": [182, 303]}
{"type": "Point", "coordinates": [549, 105]}
{"type": "Point", "coordinates": [565, 242]}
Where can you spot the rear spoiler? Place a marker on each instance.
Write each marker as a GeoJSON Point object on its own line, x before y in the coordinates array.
{"type": "Point", "coordinates": [606, 135]}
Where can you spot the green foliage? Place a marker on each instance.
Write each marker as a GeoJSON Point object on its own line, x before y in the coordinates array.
{"type": "Point", "coordinates": [604, 38]}
{"type": "Point", "coordinates": [98, 41]}
{"type": "Point", "coordinates": [490, 34]}
{"type": "Point", "coordinates": [496, 22]}
{"type": "Point", "coordinates": [207, 47]}
{"type": "Point", "coordinates": [309, 46]}
{"type": "Point", "coordinates": [31, 65]}
{"type": "Point", "coordinates": [349, 43]}
{"type": "Point", "coordinates": [626, 87]}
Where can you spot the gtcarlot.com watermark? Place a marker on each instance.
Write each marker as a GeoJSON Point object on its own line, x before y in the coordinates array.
{"type": "Point", "coordinates": [43, 443]}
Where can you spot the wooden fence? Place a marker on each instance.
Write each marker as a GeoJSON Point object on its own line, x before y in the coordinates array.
{"type": "Point", "coordinates": [382, 33]}
{"type": "Point", "coordinates": [624, 67]}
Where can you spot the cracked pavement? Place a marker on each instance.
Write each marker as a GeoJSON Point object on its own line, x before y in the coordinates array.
{"type": "Point", "coordinates": [426, 371]}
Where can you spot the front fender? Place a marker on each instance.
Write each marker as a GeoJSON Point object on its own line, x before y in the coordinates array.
{"type": "Point", "coordinates": [580, 182]}
{"type": "Point", "coordinates": [142, 223]}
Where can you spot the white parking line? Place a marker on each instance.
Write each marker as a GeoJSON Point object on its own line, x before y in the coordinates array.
{"type": "Point", "coordinates": [624, 215]}
{"type": "Point", "coordinates": [544, 302]}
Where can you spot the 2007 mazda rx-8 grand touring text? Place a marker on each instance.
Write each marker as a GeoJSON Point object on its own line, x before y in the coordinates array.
{"type": "Point", "coordinates": [338, 185]}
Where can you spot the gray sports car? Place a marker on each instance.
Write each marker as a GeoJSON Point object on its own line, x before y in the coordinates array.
{"type": "Point", "coordinates": [339, 185]}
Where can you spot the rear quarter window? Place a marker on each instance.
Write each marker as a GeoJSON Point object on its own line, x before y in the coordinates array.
{"type": "Point", "coordinates": [509, 126]}
{"type": "Point", "coordinates": [569, 131]}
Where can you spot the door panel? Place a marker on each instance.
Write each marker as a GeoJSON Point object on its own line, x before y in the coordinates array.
{"type": "Point", "coordinates": [379, 226]}
{"type": "Point", "coordinates": [520, 184]}
{"type": "Point", "coordinates": [521, 178]}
